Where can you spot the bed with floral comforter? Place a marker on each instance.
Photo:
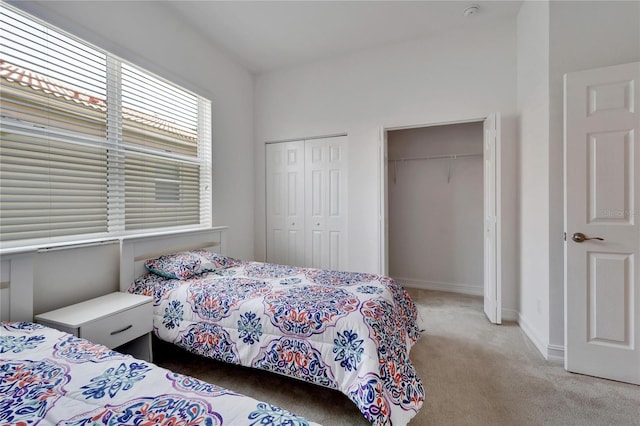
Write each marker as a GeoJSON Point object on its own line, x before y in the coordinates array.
{"type": "Point", "coordinates": [49, 377]}
{"type": "Point", "coordinates": [347, 331]}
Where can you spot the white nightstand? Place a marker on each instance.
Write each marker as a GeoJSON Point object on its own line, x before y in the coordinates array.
{"type": "Point", "coordinates": [121, 321]}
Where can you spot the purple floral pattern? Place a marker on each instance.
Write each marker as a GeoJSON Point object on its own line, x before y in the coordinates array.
{"type": "Point", "coordinates": [399, 378]}
{"type": "Point", "coordinates": [368, 393]}
{"type": "Point", "coordinates": [290, 281]}
{"type": "Point", "coordinates": [29, 389]}
{"type": "Point", "coordinates": [338, 278]}
{"type": "Point", "coordinates": [370, 289]}
{"type": "Point", "coordinates": [250, 328]}
{"type": "Point", "coordinates": [178, 265]}
{"type": "Point", "coordinates": [189, 264]}
{"type": "Point", "coordinates": [307, 310]}
{"type": "Point", "coordinates": [270, 270]}
{"type": "Point", "coordinates": [209, 340]}
{"type": "Point", "coordinates": [21, 326]}
{"type": "Point", "coordinates": [216, 261]}
{"type": "Point", "coordinates": [154, 285]}
{"type": "Point", "coordinates": [162, 410]}
{"type": "Point", "coordinates": [18, 344]}
{"type": "Point", "coordinates": [52, 382]}
{"type": "Point", "coordinates": [186, 383]}
{"type": "Point", "coordinates": [348, 349]}
{"type": "Point", "coordinates": [338, 329]}
{"type": "Point", "coordinates": [216, 298]}
{"type": "Point", "coordinates": [173, 314]}
{"type": "Point", "coordinates": [267, 414]}
{"type": "Point", "coordinates": [226, 272]}
{"type": "Point", "coordinates": [75, 349]}
{"type": "Point", "coordinates": [115, 379]}
{"type": "Point", "coordinates": [405, 309]}
{"type": "Point", "coordinates": [295, 358]}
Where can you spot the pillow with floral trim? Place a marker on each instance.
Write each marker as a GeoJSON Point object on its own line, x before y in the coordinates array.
{"type": "Point", "coordinates": [181, 265]}
{"type": "Point", "coordinates": [151, 284]}
{"type": "Point", "coordinates": [188, 264]}
{"type": "Point", "coordinates": [214, 261]}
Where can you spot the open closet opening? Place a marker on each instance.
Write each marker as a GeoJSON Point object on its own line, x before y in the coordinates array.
{"type": "Point", "coordinates": [435, 204]}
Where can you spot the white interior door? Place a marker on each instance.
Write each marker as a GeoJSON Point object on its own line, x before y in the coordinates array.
{"type": "Point", "coordinates": [492, 287]}
{"type": "Point", "coordinates": [326, 203]}
{"type": "Point", "coordinates": [285, 203]}
{"type": "Point", "coordinates": [602, 180]}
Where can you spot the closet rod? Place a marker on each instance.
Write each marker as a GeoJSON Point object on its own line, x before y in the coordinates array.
{"type": "Point", "coordinates": [433, 157]}
{"type": "Point", "coordinates": [437, 157]}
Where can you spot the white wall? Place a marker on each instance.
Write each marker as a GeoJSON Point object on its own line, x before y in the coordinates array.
{"type": "Point", "coordinates": [151, 35]}
{"type": "Point", "coordinates": [456, 76]}
{"type": "Point", "coordinates": [533, 135]}
{"type": "Point", "coordinates": [436, 208]}
{"type": "Point", "coordinates": [553, 39]}
{"type": "Point", "coordinates": [583, 35]}
{"type": "Point", "coordinates": [64, 277]}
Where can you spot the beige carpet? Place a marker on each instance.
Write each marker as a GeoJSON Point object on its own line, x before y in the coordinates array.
{"type": "Point", "coordinates": [474, 373]}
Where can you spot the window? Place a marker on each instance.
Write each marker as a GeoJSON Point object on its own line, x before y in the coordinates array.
{"type": "Point", "coordinates": [92, 146]}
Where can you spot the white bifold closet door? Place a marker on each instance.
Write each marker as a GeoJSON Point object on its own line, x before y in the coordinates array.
{"type": "Point", "coordinates": [306, 197]}
{"type": "Point", "coordinates": [285, 203]}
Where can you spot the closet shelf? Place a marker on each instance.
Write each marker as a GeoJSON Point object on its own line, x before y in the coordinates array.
{"type": "Point", "coordinates": [438, 157]}
{"type": "Point", "coordinates": [432, 157]}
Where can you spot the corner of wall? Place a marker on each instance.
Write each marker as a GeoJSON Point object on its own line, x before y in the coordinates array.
{"type": "Point", "coordinates": [509, 314]}
{"type": "Point", "coordinates": [550, 352]}
{"type": "Point", "coordinates": [533, 336]}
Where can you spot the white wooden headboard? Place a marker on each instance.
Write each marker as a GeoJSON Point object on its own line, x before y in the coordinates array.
{"type": "Point", "coordinates": [135, 250]}
{"type": "Point", "coordinates": [16, 286]}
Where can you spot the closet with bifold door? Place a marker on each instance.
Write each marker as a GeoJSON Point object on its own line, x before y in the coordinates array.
{"type": "Point", "coordinates": [306, 202]}
{"type": "Point", "coordinates": [435, 207]}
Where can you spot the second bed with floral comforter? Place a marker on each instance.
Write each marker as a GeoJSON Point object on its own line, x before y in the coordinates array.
{"type": "Point", "coordinates": [48, 377]}
{"type": "Point", "coordinates": [347, 331]}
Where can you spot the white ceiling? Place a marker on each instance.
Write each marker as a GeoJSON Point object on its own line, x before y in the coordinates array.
{"type": "Point", "coordinates": [266, 35]}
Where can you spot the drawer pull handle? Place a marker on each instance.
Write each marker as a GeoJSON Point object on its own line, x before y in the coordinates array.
{"type": "Point", "coordinates": [122, 329]}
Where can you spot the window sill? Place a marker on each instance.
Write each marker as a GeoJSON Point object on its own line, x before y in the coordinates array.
{"type": "Point", "coordinates": [45, 247]}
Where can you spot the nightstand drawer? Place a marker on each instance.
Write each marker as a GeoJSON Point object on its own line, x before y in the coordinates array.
{"type": "Point", "coordinates": [120, 328]}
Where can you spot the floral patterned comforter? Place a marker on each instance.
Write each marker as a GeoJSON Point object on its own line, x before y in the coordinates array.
{"type": "Point", "coordinates": [347, 331]}
{"type": "Point", "coordinates": [53, 378]}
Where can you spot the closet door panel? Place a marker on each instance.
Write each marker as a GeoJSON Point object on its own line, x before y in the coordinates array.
{"type": "Point", "coordinates": [316, 193]}
{"type": "Point", "coordinates": [334, 191]}
{"type": "Point", "coordinates": [315, 197]}
{"type": "Point", "coordinates": [275, 203]}
{"type": "Point", "coordinates": [285, 203]}
{"type": "Point", "coordinates": [336, 214]}
{"type": "Point", "coordinates": [295, 202]}
{"type": "Point", "coordinates": [325, 200]}
{"type": "Point", "coordinates": [295, 248]}
{"type": "Point", "coordinates": [315, 255]}
{"type": "Point", "coordinates": [334, 250]}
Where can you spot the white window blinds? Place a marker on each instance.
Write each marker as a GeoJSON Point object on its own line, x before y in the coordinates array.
{"type": "Point", "coordinates": [160, 141]}
{"type": "Point", "coordinates": [92, 146]}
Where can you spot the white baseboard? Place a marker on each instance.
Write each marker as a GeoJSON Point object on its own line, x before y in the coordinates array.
{"type": "Point", "coordinates": [555, 354]}
{"type": "Point", "coordinates": [533, 336]}
{"type": "Point", "coordinates": [552, 353]}
{"type": "Point", "coordinates": [473, 290]}
{"type": "Point", "coordinates": [470, 289]}
{"type": "Point", "coordinates": [509, 314]}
